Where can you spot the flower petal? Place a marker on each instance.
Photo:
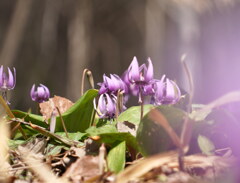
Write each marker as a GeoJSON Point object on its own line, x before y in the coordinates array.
{"type": "Point", "coordinates": [149, 74]}
{"type": "Point", "coordinates": [111, 106]}
{"type": "Point", "coordinates": [133, 70]}
{"type": "Point", "coordinates": [10, 83]}
{"type": "Point", "coordinates": [102, 104]}
{"type": "Point", "coordinates": [40, 92]}
{"type": "Point", "coordinates": [47, 92]}
{"type": "Point", "coordinates": [32, 93]}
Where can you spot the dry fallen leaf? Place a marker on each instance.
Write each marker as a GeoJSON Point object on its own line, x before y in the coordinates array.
{"type": "Point", "coordinates": [84, 168]}
{"type": "Point", "coordinates": [47, 108]}
{"type": "Point", "coordinates": [127, 127]}
{"type": "Point", "coordinates": [205, 166]}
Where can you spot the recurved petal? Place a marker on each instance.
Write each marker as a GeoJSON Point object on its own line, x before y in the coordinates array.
{"type": "Point", "coordinates": [111, 106]}
{"type": "Point", "coordinates": [149, 73]}
{"type": "Point", "coordinates": [176, 90]}
{"type": "Point", "coordinates": [47, 92]}
{"type": "Point", "coordinates": [32, 93]}
{"type": "Point", "coordinates": [110, 84]}
{"type": "Point", "coordinates": [102, 89]}
{"type": "Point", "coordinates": [148, 89]}
{"type": "Point", "coordinates": [40, 92]}
{"type": "Point", "coordinates": [159, 90]}
{"type": "Point", "coordinates": [11, 81]}
{"type": "Point", "coordinates": [102, 104]}
{"type": "Point", "coordinates": [170, 90]}
{"type": "Point", "coordinates": [133, 70]}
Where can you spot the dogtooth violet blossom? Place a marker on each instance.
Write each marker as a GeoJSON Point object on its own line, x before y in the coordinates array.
{"type": "Point", "coordinates": [41, 94]}
{"type": "Point", "coordinates": [112, 84]}
{"type": "Point", "coordinates": [108, 95]}
{"type": "Point", "coordinates": [106, 106]}
{"type": "Point", "coordinates": [140, 79]}
{"type": "Point", "coordinates": [7, 81]}
{"type": "Point", "coordinates": [166, 92]}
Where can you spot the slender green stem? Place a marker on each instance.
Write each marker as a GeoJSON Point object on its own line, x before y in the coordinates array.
{"type": "Point", "coordinates": [141, 102]}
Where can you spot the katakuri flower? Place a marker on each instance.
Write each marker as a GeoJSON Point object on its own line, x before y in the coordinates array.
{"type": "Point", "coordinates": [112, 85]}
{"type": "Point", "coordinates": [166, 92]}
{"type": "Point", "coordinates": [140, 79]}
{"type": "Point", "coordinates": [107, 106]}
{"type": "Point", "coordinates": [42, 93]}
{"type": "Point", "coordinates": [7, 81]}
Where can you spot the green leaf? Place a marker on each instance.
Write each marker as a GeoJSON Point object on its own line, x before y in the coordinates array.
{"type": "Point", "coordinates": [14, 143]}
{"type": "Point", "coordinates": [93, 131]}
{"type": "Point", "coordinates": [222, 129]}
{"type": "Point", "coordinates": [53, 149]}
{"type": "Point", "coordinates": [33, 118]}
{"type": "Point", "coordinates": [73, 136]}
{"type": "Point", "coordinates": [152, 137]}
{"type": "Point", "coordinates": [116, 157]}
{"type": "Point", "coordinates": [206, 145]}
{"type": "Point", "coordinates": [109, 135]}
{"type": "Point", "coordinates": [79, 116]}
{"type": "Point", "coordinates": [132, 114]}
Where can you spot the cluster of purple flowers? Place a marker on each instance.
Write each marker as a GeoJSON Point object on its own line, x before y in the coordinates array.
{"type": "Point", "coordinates": [138, 81]}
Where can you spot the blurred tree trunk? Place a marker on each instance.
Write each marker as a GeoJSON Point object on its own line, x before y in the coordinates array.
{"type": "Point", "coordinates": [155, 34]}
{"type": "Point", "coordinates": [15, 32]}
{"type": "Point", "coordinates": [78, 45]}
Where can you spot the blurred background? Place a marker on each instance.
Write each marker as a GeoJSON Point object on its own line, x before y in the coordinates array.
{"type": "Point", "coordinates": [52, 41]}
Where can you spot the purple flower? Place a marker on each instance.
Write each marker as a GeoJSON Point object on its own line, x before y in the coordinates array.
{"type": "Point", "coordinates": [7, 81]}
{"type": "Point", "coordinates": [166, 92]}
{"type": "Point", "coordinates": [42, 93]}
{"type": "Point", "coordinates": [140, 79]}
{"type": "Point", "coordinates": [107, 106]}
{"type": "Point", "coordinates": [140, 75]}
{"type": "Point", "coordinates": [112, 85]}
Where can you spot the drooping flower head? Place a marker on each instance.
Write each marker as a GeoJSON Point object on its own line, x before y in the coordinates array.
{"type": "Point", "coordinates": [112, 84]}
{"type": "Point", "coordinates": [166, 92]}
{"type": "Point", "coordinates": [7, 81]}
{"type": "Point", "coordinates": [41, 94]}
{"type": "Point", "coordinates": [106, 106]}
{"type": "Point", "coordinates": [139, 79]}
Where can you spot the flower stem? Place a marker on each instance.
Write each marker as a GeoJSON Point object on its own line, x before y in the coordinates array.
{"type": "Point", "coordinates": [4, 95]}
{"type": "Point", "coordinates": [89, 75]}
{"type": "Point", "coordinates": [141, 102]}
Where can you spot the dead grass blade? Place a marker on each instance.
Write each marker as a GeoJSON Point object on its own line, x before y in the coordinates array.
{"type": "Point", "coordinates": [11, 115]}
{"type": "Point", "coordinates": [4, 135]}
{"type": "Point", "coordinates": [143, 166]}
{"type": "Point", "coordinates": [42, 171]}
